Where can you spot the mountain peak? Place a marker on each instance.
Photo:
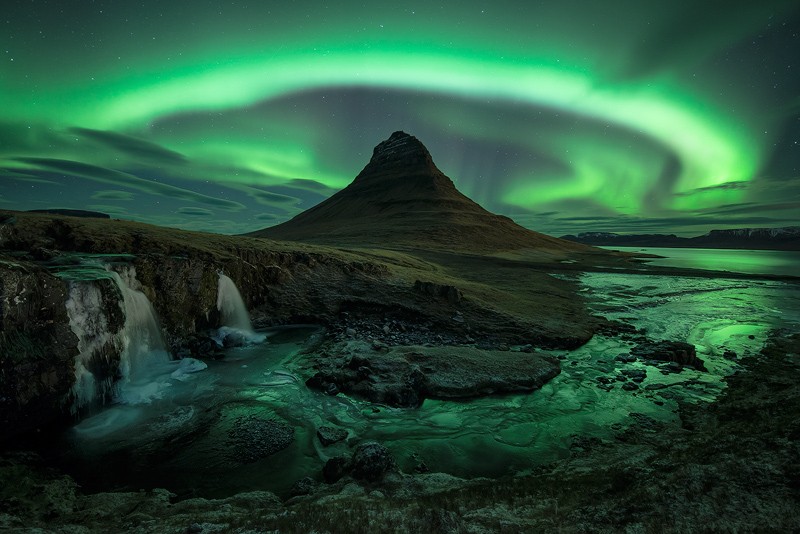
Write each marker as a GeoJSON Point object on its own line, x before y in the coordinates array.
{"type": "Point", "coordinates": [401, 152]}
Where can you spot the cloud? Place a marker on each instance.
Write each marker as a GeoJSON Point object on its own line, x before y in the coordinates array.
{"type": "Point", "coordinates": [195, 212]}
{"type": "Point", "coordinates": [122, 179]}
{"type": "Point", "coordinates": [113, 195]}
{"type": "Point", "coordinates": [9, 174]}
{"type": "Point", "coordinates": [133, 146]}
{"type": "Point", "coordinates": [267, 217]}
{"type": "Point", "coordinates": [727, 186]}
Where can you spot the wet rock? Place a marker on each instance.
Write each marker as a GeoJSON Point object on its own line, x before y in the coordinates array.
{"type": "Point", "coordinates": [674, 367]}
{"type": "Point", "coordinates": [636, 375]}
{"type": "Point", "coordinates": [405, 376]}
{"type": "Point", "coordinates": [371, 461]}
{"type": "Point", "coordinates": [329, 435]}
{"type": "Point", "coordinates": [669, 351]}
{"type": "Point", "coordinates": [335, 468]}
{"type": "Point", "coordinates": [201, 346]}
{"type": "Point", "coordinates": [252, 438]}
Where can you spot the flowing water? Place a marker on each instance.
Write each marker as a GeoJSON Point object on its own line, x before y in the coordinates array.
{"type": "Point", "coordinates": [181, 441]}
{"type": "Point", "coordinates": [236, 325]}
{"type": "Point", "coordinates": [91, 308]}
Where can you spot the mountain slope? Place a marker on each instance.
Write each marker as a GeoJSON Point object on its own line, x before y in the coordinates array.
{"type": "Point", "coordinates": [402, 199]}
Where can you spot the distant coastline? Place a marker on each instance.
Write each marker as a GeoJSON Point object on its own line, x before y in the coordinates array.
{"type": "Point", "coordinates": [784, 238]}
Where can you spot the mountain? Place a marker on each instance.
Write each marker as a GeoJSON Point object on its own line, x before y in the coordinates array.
{"type": "Point", "coordinates": [786, 238]}
{"type": "Point", "coordinates": [402, 199]}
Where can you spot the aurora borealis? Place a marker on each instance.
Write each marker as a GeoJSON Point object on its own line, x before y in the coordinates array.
{"type": "Point", "coordinates": [570, 116]}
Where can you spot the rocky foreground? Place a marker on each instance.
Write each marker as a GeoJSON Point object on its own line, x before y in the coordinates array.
{"type": "Point", "coordinates": [732, 465]}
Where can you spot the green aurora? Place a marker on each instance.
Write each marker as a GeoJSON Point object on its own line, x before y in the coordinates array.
{"type": "Point", "coordinates": [619, 116]}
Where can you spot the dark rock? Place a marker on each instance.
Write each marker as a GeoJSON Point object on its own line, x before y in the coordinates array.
{"type": "Point", "coordinates": [201, 346]}
{"type": "Point", "coordinates": [194, 528]}
{"type": "Point", "coordinates": [729, 355]}
{"type": "Point", "coordinates": [252, 438]}
{"type": "Point", "coordinates": [636, 375]}
{"type": "Point", "coordinates": [335, 469]}
{"type": "Point", "coordinates": [674, 367]}
{"type": "Point", "coordinates": [669, 351]}
{"type": "Point", "coordinates": [371, 461]}
{"type": "Point", "coordinates": [451, 293]}
{"type": "Point", "coordinates": [405, 376]}
{"type": "Point", "coordinates": [629, 386]}
{"type": "Point", "coordinates": [304, 486]}
{"type": "Point", "coordinates": [329, 435]}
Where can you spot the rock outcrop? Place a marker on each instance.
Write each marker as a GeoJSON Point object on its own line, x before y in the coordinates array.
{"type": "Point", "coordinates": [37, 347]}
{"type": "Point", "coordinates": [669, 351]}
{"type": "Point", "coordinates": [405, 376]}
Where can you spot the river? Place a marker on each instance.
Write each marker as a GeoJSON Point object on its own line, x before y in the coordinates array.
{"type": "Point", "coordinates": [181, 441]}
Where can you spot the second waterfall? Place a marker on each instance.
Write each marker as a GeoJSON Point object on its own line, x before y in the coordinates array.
{"type": "Point", "coordinates": [236, 327]}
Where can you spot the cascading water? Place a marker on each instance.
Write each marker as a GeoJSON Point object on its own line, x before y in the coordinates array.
{"type": "Point", "coordinates": [106, 326]}
{"type": "Point", "coordinates": [144, 353]}
{"type": "Point", "coordinates": [236, 326]}
{"type": "Point", "coordinates": [231, 305]}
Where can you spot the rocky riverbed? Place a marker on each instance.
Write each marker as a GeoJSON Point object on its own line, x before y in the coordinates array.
{"type": "Point", "coordinates": [722, 465]}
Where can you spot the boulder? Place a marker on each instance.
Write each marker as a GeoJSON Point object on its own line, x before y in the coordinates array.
{"type": "Point", "coordinates": [372, 461]}
{"type": "Point", "coordinates": [329, 435]}
{"type": "Point", "coordinates": [669, 351]}
{"type": "Point", "coordinates": [252, 438]}
{"type": "Point", "coordinates": [335, 469]}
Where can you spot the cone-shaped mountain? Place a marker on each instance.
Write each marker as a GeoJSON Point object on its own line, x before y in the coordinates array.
{"type": "Point", "coordinates": [402, 199]}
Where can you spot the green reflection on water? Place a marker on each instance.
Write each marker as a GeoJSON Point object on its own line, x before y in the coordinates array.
{"type": "Point", "coordinates": [777, 262]}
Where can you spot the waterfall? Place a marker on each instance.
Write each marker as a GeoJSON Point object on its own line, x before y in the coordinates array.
{"type": "Point", "coordinates": [236, 326]}
{"type": "Point", "coordinates": [106, 326]}
{"type": "Point", "coordinates": [231, 306]}
{"type": "Point", "coordinates": [143, 353]}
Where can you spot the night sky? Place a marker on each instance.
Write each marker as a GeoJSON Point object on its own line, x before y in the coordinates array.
{"type": "Point", "coordinates": [569, 116]}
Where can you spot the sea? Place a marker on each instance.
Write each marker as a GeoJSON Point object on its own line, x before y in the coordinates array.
{"type": "Point", "coordinates": [769, 262]}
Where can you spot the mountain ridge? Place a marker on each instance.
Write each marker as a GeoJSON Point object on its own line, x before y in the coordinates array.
{"type": "Point", "coordinates": [781, 238]}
